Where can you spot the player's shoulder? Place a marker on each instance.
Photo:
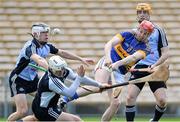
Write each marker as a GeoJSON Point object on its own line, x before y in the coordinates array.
{"type": "Point", "coordinates": [158, 27]}
{"type": "Point", "coordinates": [50, 45]}
{"type": "Point", "coordinates": [29, 43]}
{"type": "Point", "coordinates": [128, 33]}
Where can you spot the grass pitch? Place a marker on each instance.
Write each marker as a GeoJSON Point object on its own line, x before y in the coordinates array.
{"type": "Point", "coordinates": [122, 119]}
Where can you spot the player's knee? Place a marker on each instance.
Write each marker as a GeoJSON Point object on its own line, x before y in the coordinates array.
{"type": "Point", "coordinates": [162, 102]}
{"type": "Point", "coordinates": [130, 99]}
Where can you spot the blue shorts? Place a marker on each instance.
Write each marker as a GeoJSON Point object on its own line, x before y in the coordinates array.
{"type": "Point", "coordinates": [21, 86]}
{"type": "Point", "coordinates": [45, 114]}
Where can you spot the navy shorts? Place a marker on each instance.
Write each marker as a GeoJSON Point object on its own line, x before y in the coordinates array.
{"type": "Point", "coordinates": [45, 114]}
{"type": "Point", "coordinates": [21, 86]}
{"type": "Point", "coordinates": [153, 85]}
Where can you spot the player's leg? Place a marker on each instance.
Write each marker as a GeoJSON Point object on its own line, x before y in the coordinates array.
{"type": "Point", "coordinates": [68, 117]}
{"type": "Point", "coordinates": [103, 76]}
{"type": "Point", "coordinates": [133, 92]}
{"type": "Point", "coordinates": [159, 90]}
{"type": "Point", "coordinates": [19, 95]}
{"type": "Point", "coordinates": [30, 118]}
{"type": "Point", "coordinates": [117, 77]}
{"type": "Point", "coordinates": [111, 110]}
{"type": "Point", "coordinates": [21, 107]}
{"type": "Point", "coordinates": [19, 88]}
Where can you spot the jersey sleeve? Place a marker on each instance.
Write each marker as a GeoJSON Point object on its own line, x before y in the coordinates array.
{"type": "Point", "coordinates": [121, 38]}
{"type": "Point", "coordinates": [53, 49]}
{"type": "Point", "coordinates": [162, 38]}
{"type": "Point", "coordinates": [71, 75]}
{"type": "Point", "coordinates": [57, 86]}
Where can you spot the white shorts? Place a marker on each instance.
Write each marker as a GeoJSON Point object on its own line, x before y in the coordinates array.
{"type": "Point", "coordinates": [117, 75]}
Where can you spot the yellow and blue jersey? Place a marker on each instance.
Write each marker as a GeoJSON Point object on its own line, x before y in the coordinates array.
{"type": "Point", "coordinates": [127, 46]}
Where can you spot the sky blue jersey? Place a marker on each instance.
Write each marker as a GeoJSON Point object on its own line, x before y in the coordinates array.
{"type": "Point", "coordinates": [157, 40]}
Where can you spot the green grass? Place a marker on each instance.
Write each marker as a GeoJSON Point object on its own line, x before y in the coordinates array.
{"type": "Point", "coordinates": [2, 119]}
{"type": "Point", "coordinates": [122, 119]}
{"type": "Point", "coordinates": [138, 119]}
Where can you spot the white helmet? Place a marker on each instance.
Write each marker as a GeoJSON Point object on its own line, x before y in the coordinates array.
{"type": "Point", "coordinates": [56, 63]}
{"type": "Point", "coordinates": [40, 27]}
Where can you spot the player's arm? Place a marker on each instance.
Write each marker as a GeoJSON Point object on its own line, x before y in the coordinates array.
{"type": "Point", "coordinates": [84, 80]}
{"type": "Point", "coordinates": [164, 56]}
{"type": "Point", "coordinates": [39, 60]}
{"type": "Point", "coordinates": [30, 53]}
{"type": "Point", "coordinates": [107, 49]}
{"type": "Point", "coordinates": [57, 86]}
{"type": "Point", "coordinates": [129, 59]}
{"type": "Point", "coordinates": [163, 43]}
{"type": "Point", "coordinates": [68, 55]}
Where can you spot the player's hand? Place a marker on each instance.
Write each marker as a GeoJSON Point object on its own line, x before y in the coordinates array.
{"type": "Point", "coordinates": [108, 62]}
{"type": "Point", "coordinates": [81, 71]}
{"type": "Point", "coordinates": [87, 62]}
{"type": "Point", "coordinates": [150, 69]}
{"type": "Point", "coordinates": [103, 86]}
{"type": "Point", "coordinates": [115, 66]}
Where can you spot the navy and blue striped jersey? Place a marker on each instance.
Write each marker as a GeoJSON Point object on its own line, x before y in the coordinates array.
{"type": "Point", "coordinates": [31, 47]}
{"type": "Point", "coordinates": [51, 87]}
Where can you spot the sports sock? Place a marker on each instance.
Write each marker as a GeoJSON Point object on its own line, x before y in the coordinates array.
{"type": "Point", "coordinates": [130, 113]}
{"type": "Point", "coordinates": [159, 111]}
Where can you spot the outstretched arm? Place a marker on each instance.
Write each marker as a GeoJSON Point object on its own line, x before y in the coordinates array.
{"type": "Point", "coordinates": [129, 59]}
{"type": "Point", "coordinates": [58, 87]}
{"type": "Point", "coordinates": [85, 80]}
{"type": "Point", "coordinates": [68, 55]}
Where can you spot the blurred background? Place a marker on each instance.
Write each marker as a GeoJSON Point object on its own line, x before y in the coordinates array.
{"type": "Point", "coordinates": [86, 26]}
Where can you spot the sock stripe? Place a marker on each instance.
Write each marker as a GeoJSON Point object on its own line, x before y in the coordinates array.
{"type": "Point", "coordinates": [131, 109]}
{"type": "Point", "coordinates": [160, 109]}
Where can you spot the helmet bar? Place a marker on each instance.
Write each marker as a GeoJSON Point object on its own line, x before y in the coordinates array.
{"type": "Point", "coordinates": [41, 27]}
